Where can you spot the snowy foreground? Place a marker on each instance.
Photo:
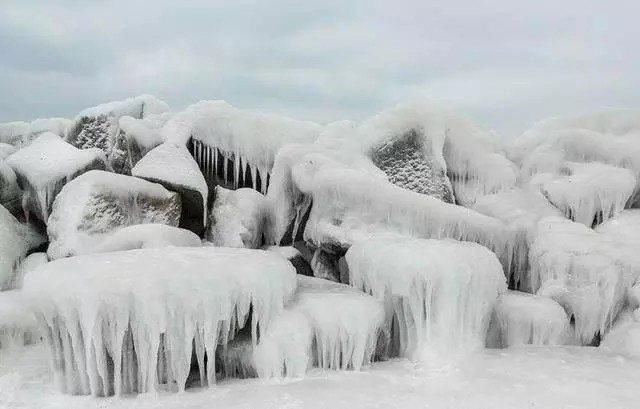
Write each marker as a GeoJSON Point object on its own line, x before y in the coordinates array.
{"type": "Point", "coordinates": [527, 377]}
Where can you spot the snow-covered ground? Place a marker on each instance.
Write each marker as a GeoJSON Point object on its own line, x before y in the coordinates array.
{"type": "Point", "coordinates": [527, 377]}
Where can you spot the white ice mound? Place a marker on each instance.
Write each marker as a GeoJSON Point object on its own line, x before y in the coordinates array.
{"type": "Point", "coordinates": [144, 236]}
{"type": "Point", "coordinates": [224, 135]}
{"type": "Point", "coordinates": [521, 318]}
{"type": "Point", "coordinates": [30, 263]}
{"type": "Point", "coordinates": [20, 134]}
{"type": "Point", "coordinates": [18, 325]}
{"type": "Point", "coordinates": [126, 321]}
{"type": "Point", "coordinates": [328, 325]}
{"type": "Point", "coordinates": [237, 218]}
{"type": "Point", "coordinates": [98, 203]}
{"type": "Point", "coordinates": [16, 239]}
{"type": "Point", "coordinates": [439, 293]}
{"type": "Point", "coordinates": [6, 150]}
{"type": "Point", "coordinates": [624, 338]}
{"type": "Point", "coordinates": [590, 193]}
{"type": "Point", "coordinates": [588, 272]}
{"type": "Point", "coordinates": [46, 165]}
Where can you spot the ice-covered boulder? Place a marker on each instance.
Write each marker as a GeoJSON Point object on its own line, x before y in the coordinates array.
{"type": "Point", "coordinates": [6, 150]}
{"type": "Point", "coordinates": [295, 257]}
{"type": "Point", "coordinates": [20, 134]}
{"type": "Point", "coordinates": [624, 337]}
{"type": "Point", "coordinates": [10, 193]}
{"type": "Point", "coordinates": [45, 166]}
{"type": "Point", "coordinates": [126, 321]}
{"type": "Point", "coordinates": [410, 164]}
{"type": "Point", "coordinates": [18, 325]}
{"type": "Point", "coordinates": [520, 318]}
{"type": "Point", "coordinates": [174, 168]}
{"type": "Point", "coordinates": [237, 218]}
{"type": "Point", "coordinates": [98, 203]}
{"type": "Point", "coordinates": [328, 325]}
{"type": "Point", "coordinates": [16, 239]}
{"type": "Point", "coordinates": [135, 138]}
{"type": "Point", "coordinates": [97, 127]}
{"type": "Point", "coordinates": [144, 236]}
{"type": "Point", "coordinates": [439, 293]}
{"type": "Point", "coordinates": [590, 193]}
{"type": "Point", "coordinates": [235, 148]}
{"type": "Point", "coordinates": [30, 263]}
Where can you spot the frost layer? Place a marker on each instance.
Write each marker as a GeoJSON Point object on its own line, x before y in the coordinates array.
{"type": "Point", "coordinates": [237, 218]}
{"type": "Point", "coordinates": [18, 326]}
{"type": "Point", "coordinates": [328, 325]}
{"type": "Point", "coordinates": [126, 321]}
{"type": "Point", "coordinates": [520, 318]}
{"type": "Point", "coordinates": [439, 293]}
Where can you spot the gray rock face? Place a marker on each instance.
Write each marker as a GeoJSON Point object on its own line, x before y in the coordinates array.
{"type": "Point", "coordinates": [410, 165]}
{"type": "Point", "coordinates": [10, 194]}
{"type": "Point", "coordinates": [98, 203]}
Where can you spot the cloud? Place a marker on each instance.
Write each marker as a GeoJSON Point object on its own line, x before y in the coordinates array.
{"type": "Point", "coordinates": [503, 63]}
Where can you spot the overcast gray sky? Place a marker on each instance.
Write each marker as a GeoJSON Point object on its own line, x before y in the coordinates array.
{"type": "Point", "coordinates": [503, 63]}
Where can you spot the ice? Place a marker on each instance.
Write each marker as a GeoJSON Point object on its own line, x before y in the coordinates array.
{"type": "Point", "coordinates": [10, 193]}
{"type": "Point", "coordinates": [237, 218]}
{"type": "Point", "coordinates": [221, 131]}
{"type": "Point", "coordinates": [125, 321]}
{"type": "Point", "coordinates": [28, 264]}
{"type": "Point", "coordinates": [137, 107]}
{"type": "Point", "coordinates": [439, 294]}
{"type": "Point", "coordinates": [97, 203]}
{"type": "Point", "coordinates": [143, 236]}
{"type": "Point", "coordinates": [590, 193]}
{"type": "Point", "coordinates": [348, 201]}
{"type": "Point", "coordinates": [521, 318]}
{"type": "Point", "coordinates": [16, 239]}
{"type": "Point", "coordinates": [20, 134]}
{"type": "Point", "coordinates": [18, 325]}
{"type": "Point", "coordinates": [624, 338]}
{"type": "Point", "coordinates": [46, 165]}
{"type": "Point", "coordinates": [328, 325]}
{"type": "Point", "coordinates": [173, 167]}
{"type": "Point", "coordinates": [6, 150]}
{"type": "Point", "coordinates": [587, 272]}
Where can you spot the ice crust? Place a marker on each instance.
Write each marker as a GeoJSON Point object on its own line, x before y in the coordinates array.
{"type": "Point", "coordinates": [438, 294]}
{"type": "Point", "coordinates": [126, 321]}
{"type": "Point", "coordinates": [237, 218]}
{"type": "Point", "coordinates": [328, 325]}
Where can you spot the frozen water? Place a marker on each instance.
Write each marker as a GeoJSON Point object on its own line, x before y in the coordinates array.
{"type": "Point", "coordinates": [21, 134]}
{"type": "Point", "coordinates": [126, 321]}
{"type": "Point", "coordinates": [237, 218]}
{"type": "Point", "coordinates": [439, 294]}
{"type": "Point", "coordinates": [18, 325]}
{"type": "Point", "coordinates": [143, 236]}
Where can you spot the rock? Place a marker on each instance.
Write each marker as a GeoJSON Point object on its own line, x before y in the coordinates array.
{"type": "Point", "coordinates": [16, 240]}
{"type": "Point", "coordinates": [237, 218]}
{"type": "Point", "coordinates": [295, 257]}
{"type": "Point", "coordinates": [408, 163]}
{"type": "Point", "coordinates": [98, 127]}
{"type": "Point", "coordinates": [45, 166]}
{"type": "Point", "coordinates": [98, 203]}
{"type": "Point", "coordinates": [174, 168]}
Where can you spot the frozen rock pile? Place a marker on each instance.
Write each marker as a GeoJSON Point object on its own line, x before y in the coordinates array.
{"type": "Point", "coordinates": [157, 250]}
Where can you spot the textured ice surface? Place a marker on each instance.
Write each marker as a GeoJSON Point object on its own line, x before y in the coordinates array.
{"type": "Point", "coordinates": [126, 321]}
{"type": "Point", "coordinates": [143, 236]}
{"type": "Point", "coordinates": [21, 134]}
{"type": "Point", "coordinates": [439, 293]}
{"type": "Point", "coordinates": [18, 325]}
{"type": "Point", "coordinates": [10, 193]}
{"type": "Point", "coordinates": [6, 150]}
{"type": "Point", "coordinates": [98, 203]}
{"type": "Point", "coordinates": [624, 337]}
{"type": "Point", "coordinates": [237, 218]}
{"type": "Point", "coordinates": [521, 318]}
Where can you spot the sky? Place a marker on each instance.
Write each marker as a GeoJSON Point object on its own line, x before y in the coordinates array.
{"type": "Point", "coordinates": [504, 63]}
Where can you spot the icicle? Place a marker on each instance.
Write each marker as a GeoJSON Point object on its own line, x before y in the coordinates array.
{"type": "Point", "coordinates": [254, 180]}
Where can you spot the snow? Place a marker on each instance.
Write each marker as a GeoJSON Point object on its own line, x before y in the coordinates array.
{"type": "Point", "coordinates": [100, 307]}
{"type": "Point", "coordinates": [28, 264]}
{"type": "Point", "coordinates": [328, 325]}
{"type": "Point", "coordinates": [143, 236]}
{"type": "Point", "coordinates": [137, 107]}
{"type": "Point", "coordinates": [174, 165]}
{"type": "Point", "coordinates": [20, 134]}
{"type": "Point", "coordinates": [46, 162]}
{"type": "Point", "coordinates": [624, 338]}
{"type": "Point", "coordinates": [99, 202]}
{"type": "Point", "coordinates": [288, 252]}
{"type": "Point", "coordinates": [590, 193]}
{"type": "Point", "coordinates": [438, 293]}
{"type": "Point", "coordinates": [145, 131]}
{"type": "Point", "coordinates": [18, 326]}
{"type": "Point", "coordinates": [237, 218]}
{"type": "Point", "coordinates": [6, 150]}
{"type": "Point", "coordinates": [521, 318]}
{"type": "Point", "coordinates": [219, 128]}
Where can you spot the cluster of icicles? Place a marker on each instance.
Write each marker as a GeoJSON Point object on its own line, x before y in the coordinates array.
{"type": "Point", "coordinates": [228, 169]}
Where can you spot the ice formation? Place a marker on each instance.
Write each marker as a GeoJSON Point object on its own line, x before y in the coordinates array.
{"type": "Point", "coordinates": [16, 239]}
{"type": "Point", "coordinates": [10, 193]}
{"type": "Point", "coordinates": [624, 337]}
{"type": "Point", "coordinates": [521, 318]}
{"type": "Point", "coordinates": [173, 167]}
{"type": "Point", "coordinates": [21, 134]}
{"type": "Point", "coordinates": [142, 236]}
{"type": "Point", "coordinates": [18, 325]}
{"type": "Point", "coordinates": [328, 325]}
{"type": "Point", "coordinates": [97, 203]}
{"type": "Point", "coordinates": [46, 165]}
{"type": "Point", "coordinates": [439, 294]}
{"type": "Point", "coordinates": [126, 321]}
{"type": "Point", "coordinates": [590, 193]}
{"type": "Point", "coordinates": [6, 150]}
{"type": "Point", "coordinates": [28, 264]}
{"type": "Point", "coordinates": [235, 147]}
{"type": "Point", "coordinates": [237, 218]}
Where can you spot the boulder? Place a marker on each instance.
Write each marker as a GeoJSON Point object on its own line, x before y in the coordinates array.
{"type": "Point", "coordinates": [174, 168]}
{"type": "Point", "coordinates": [20, 134]}
{"type": "Point", "coordinates": [10, 194]}
{"type": "Point", "coordinates": [98, 203]}
{"type": "Point", "coordinates": [45, 166]}
{"type": "Point", "coordinates": [237, 218]}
